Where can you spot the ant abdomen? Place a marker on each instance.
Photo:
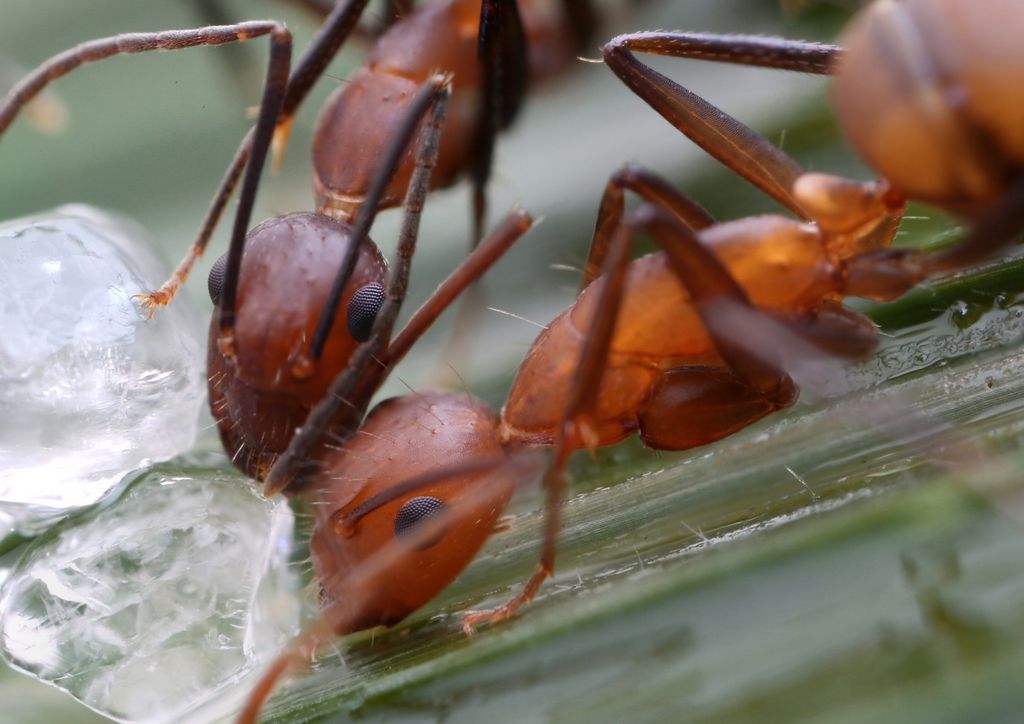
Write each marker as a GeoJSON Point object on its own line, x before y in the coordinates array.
{"type": "Point", "coordinates": [359, 120]}
{"type": "Point", "coordinates": [260, 398]}
{"type": "Point", "coordinates": [926, 92]}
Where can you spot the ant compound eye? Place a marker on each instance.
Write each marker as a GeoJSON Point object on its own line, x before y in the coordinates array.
{"type": "Point", "coordinates": [362, 311]}
{"type": "Point", "coordinates": [215, 282]}
{"type": "Point", "coordinates": [415, 511]}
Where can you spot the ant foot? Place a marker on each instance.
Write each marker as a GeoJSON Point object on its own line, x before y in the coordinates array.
{"type": "Point", "coordinates": [470, 619]}
{"type": "Point", "coordinates": [153, 301]}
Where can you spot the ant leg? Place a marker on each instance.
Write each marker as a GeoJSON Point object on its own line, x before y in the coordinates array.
{"type": "Point", "coordinates": [502, 52]}
{"type": "Point", "coordinates": [738, 147]}
{"type": "Point", "coordinates": [94, 50]}
{"type": "Point", "coordinates": [273, 92]}
{"type": "Point", "coordinates": [890, 273]}
{"type": "Point", "coordinates": [335, 30]}
{"type": "Point", "coordinates": [759, 346]}
{"type": "Point", "coordinates": [298, 652]}
{"type": "Point", "coordinates": [332, 34]}
{"type": "Point", "coordinates": [473, 267]}
{"type": "Point", "coordinates": [237, 65]}
{"type": "Point", "coordinates": [347, 520]}
{"type": "Point", "coordinates": [697, 404]}
{"type": "Point", "coordinates": [574, 430]}
{"type": "Point", "coordinates": [270, 107]}
{"type": "Point", "coordinates": [652, 188]}
{"type": "Point", "coordinates": [46, 112]}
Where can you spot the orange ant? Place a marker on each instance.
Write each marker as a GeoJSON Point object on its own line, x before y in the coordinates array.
{"type": "Point", "coordinates": [745, 299]}
{"type": "Point", "coordinates": [394, 526]}
{"type": "Point", "coordinates": [689, 344]}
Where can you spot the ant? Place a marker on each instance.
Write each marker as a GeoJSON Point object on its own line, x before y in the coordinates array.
{"type": "Point", "coordinates": [394, 526]}
{"type": "Point", "coordinates": [491, 48]}
{"type": "Point", "coordinates": [744, 299]}
{"type": "Point", "coordinates": [261, 392]}
{"type": "Point", "coordinates": [696, 341]}
{"type": "Point", "coordinates": [260, 396]}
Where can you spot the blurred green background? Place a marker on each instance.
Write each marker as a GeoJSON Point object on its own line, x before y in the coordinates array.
{"type": "Point", "coordinates": [820, 566]}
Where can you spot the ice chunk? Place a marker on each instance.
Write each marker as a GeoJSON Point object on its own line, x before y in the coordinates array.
{"type": "Point", "coordinates": [159, 604]}
{"type": "Point", "coordinates": [89, 389]}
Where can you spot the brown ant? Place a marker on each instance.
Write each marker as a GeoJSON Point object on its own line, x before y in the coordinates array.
{"type": "Point", "coordinates": [269, 366]}
{"type": "Point", "coordinates": [694, 342]}
{"type": "Point", "coordinates": [270, 323]}
{"type": "Point", "coordinates": [491, 49]}
{"type": "Point", "coordinates": [276, 343]}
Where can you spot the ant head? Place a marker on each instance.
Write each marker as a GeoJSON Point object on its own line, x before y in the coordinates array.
{"type": "Point", "coordinates": [928, 91]}
{"type": "Point", "coordinates": [380, 548]}
{"type": "Point", "coordinates": [288, 268]}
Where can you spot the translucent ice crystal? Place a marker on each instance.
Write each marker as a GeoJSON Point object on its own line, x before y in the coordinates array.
{"type": "Point", "coordinates": [89, 389]}
{"type": "Point", "coordinates": [158, 605]}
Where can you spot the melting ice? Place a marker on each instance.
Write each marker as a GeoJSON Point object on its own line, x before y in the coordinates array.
{"type": "Point", "coordinates": [158, 605]}
{"type": "Point", "coordinates": [89, 389]}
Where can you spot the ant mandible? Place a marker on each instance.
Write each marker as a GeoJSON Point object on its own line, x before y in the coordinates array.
{"type": "Point", "coordinates": [692, 343]}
